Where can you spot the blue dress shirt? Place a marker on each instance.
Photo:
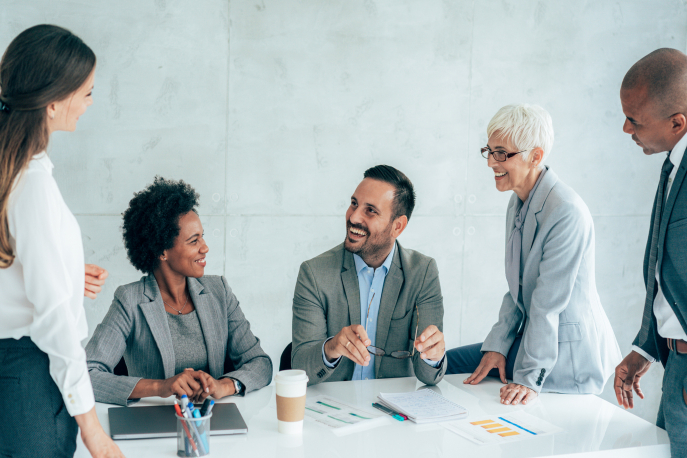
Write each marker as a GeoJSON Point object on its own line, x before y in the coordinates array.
{"type": "Point", "coordinates": [371, 286]}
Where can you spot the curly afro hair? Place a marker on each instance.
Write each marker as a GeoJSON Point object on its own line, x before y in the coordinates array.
{"type": "Point", "coordinates": [151, 223]}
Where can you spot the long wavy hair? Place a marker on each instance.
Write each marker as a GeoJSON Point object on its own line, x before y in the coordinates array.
{"type": "Point", "coordinates": [43, 64]}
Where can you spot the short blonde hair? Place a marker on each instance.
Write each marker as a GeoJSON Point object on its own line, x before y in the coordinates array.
{"type": "Point", "coordinates": [527, 126]}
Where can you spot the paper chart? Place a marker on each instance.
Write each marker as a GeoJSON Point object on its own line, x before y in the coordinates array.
{"type": "Point", "coordinates": [502, 429]}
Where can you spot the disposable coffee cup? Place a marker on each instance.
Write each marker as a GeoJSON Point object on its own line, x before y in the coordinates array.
{"type": "Point", "coordinates": [291, 387]}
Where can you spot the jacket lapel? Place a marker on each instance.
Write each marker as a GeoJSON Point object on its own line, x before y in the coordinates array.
{"type": "Point", "coordinates": [392, 288]}
{"type": "Point", "coordinates": [536, 205]}
{"type": "Point", "coordinates": [668, 209]}
{"type": "Point", "coordinates": [155, 315]}
{"type": "Point", "coordinates": [349, 278]}
{"type": "Point", "coordinates": [206, 309]}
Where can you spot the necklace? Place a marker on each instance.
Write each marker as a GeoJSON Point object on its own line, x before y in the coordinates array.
{"type": "Point", "coordinates": [176, 310]}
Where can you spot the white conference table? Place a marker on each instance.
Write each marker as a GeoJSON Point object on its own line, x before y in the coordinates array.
{"type": "Point", "coordinates": [591, 427]}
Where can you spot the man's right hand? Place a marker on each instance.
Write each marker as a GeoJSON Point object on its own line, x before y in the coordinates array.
{"type": "Point", "coordinates": [490, 360]}
{"type": "Point", "coordinates": [351, 342]}
{"type": "Point", "coordinates": [627, 376]}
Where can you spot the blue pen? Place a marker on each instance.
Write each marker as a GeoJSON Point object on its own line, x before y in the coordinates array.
{"type": "Point", "coordinates": [209, 409]}
{"type": "Point", "coordinates": [203, 437]}
{"type": "Point", "coordinates": [388, 411]}
{"type": "Point", "coordinates": [188, 414]}
{"type": "Point", "coordinates": [204, 407]}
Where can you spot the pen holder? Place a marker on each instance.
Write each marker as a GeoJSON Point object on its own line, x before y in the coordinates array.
{"type": "Point", "coordinates": [193, 436]}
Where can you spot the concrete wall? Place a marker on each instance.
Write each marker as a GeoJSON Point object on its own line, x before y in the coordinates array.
{"type": "Point", "coordinates": [273, 109]}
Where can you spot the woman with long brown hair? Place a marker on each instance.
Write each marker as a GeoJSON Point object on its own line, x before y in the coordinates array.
{"type": "Point", "coordinates": [46, 79]}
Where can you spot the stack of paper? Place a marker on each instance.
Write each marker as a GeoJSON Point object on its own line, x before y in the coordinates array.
{"type": "Point", "coordinates": [423, 406]}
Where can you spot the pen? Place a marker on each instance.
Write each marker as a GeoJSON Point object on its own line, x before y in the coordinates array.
{"type": "Point", "coordinates": [188, 433]}
{"type": "Point", "coordinates": [188, 414]}
{"type": "Point", "coordinates": [203, 437]}
{"type": "Point", "coordinates": [204, 407]}
{"type": "Point", "coordinates": [388, 411]}
{"type": "Point", "coordinates": [209, 409]}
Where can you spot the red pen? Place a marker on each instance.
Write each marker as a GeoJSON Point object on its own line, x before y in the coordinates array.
{"type": "Point", "coordinates": [188, 433]}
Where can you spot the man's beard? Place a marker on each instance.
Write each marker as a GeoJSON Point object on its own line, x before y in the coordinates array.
{"type": "Point", "coordinates": [374, 245]}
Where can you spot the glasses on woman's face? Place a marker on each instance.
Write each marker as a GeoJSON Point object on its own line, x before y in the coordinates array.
{"type": "Point", "coordinates": [398, 354]}
{"type": "Point", "coordinates": [499, 155]}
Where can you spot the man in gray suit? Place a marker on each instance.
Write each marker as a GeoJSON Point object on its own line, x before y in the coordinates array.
{"type": "Point", "coordinates": [654, 100]}
{"type": "Point", "coordinates": [357, 308]}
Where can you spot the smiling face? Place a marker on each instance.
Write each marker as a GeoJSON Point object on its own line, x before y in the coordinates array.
{"type": "Point", "coordinates": [514, 174]}
{"type": "Point", "coordinates": [370, 229]}
{"type": "Point", "coordinates": [187, 256]}
{"type": "Point", "coordinates": [653, 133]}
{"type": "Point", "coordinates": [64, 115]}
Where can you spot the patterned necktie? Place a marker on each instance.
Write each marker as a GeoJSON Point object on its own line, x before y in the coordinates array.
{"type": "Point", "coordinates": [653, 252]}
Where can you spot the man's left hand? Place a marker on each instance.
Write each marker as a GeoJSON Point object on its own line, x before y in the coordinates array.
{"type": "Point", "coordinates": [512, 394]}
{"type": "Point", "coordinates": [431, 344]}
{"type": "Point", "coordinates": [95, 279]}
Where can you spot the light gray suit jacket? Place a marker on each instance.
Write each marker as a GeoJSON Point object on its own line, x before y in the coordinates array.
{"type": "Point", "coordinates": [136, 327]}
{"type": "Point", "coordinates": [327, 299]}
{"type": "Point", "coordinates": [568, 345]}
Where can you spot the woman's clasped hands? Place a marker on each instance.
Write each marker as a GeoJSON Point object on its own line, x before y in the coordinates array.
{"type": "Point", "coordinates": [197, 385]}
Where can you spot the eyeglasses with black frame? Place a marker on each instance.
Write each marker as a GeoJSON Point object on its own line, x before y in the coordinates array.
{"type": "Point", "coordinates": [398, 354]}
{"type": "Point", "coordinates": [499, 155]}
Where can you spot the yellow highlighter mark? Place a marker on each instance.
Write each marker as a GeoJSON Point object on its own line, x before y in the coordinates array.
{"type": "Point", "coordinates": [483, 422]}
{"type": "Point", "coordinates": [499, 430]}
{"type": "Point", "coordinates": [512, 433]}
{"type": "Point", "coordinates": [493, 425]}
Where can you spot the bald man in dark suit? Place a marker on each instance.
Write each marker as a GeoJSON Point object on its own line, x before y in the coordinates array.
{"type": "Point", "coordinates": [654, 100]}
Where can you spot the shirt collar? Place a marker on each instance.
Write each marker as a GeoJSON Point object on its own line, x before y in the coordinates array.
{"type": "Point", "coordinates": [678, 151]}
{"type": "Point", "coordinates": [360, 264]}
{"type": "Point", "coordinates": [43, 160]}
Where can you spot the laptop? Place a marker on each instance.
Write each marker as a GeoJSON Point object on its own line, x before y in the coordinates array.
{"type": "Point", "coordinates": [161, 421]}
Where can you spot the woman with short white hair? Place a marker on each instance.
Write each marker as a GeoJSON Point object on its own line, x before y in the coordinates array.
{"type": "Point", "coordinates": [552, 334]}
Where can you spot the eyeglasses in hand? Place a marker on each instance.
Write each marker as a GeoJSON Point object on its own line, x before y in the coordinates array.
{"type": "Point", "coordinates": [398, 354]}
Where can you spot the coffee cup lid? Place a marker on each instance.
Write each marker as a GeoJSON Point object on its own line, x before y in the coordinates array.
{"type": "Point", "coordinates": [291, 376]}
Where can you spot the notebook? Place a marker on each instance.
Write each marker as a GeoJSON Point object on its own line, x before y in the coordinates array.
{"type": "Point", "coordinates": [423, 406]}
{"type": "Point", "coordinates": [160, 421]}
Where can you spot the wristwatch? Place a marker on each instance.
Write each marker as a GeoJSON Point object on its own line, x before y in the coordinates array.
{"type": "Point", "coordinates": [238, 386]}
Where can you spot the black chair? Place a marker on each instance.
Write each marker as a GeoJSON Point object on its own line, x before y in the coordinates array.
{"type": "Point", "coordinates": [285, 361]}
{"type": "Point", "coordinates": [120, 368]}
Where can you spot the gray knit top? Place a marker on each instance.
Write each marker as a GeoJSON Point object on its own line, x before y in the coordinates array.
{"type": "Point", "coordinates": [188, 342]}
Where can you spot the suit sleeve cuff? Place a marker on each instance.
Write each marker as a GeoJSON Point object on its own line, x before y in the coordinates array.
{"type": "Point", "coordinates": [324, 357]}
{"type": "Point", "coordinates": [649, 358]}
{"type": "Point", "coordinates": [435, 364]}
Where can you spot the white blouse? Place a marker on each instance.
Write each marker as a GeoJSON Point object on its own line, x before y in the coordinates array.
{"type": "Point", "coordinates": [42, 291]}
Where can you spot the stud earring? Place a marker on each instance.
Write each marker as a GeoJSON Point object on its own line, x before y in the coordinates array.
{"type": "Point", "coordinates": [52, 117]}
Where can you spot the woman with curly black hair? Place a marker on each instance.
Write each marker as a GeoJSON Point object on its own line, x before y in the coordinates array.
{"type": "Point", "coordinates": [179, 331]}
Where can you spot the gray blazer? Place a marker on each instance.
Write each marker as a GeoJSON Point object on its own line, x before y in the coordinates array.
{"type": "Point", "coordinates": [327, 298]}
{"type": "Point", "coordinates": [136, 327]}
{"type": "Point", "coordinates": [568, 345]}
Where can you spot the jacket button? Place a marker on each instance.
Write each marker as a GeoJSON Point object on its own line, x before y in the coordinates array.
{"type": "Point", "coordinates": [543, 371]}
{"type": "Point", "coordinates": [538, 382]}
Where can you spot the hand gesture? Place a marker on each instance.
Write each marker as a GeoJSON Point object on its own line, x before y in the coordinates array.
{"type": "Point", "coordinates": [95, 279]}
{"type": "Point", "coordinates": [490, 360]}
{"type": "Point", "coordinates": [431, 344]}
{"type": "Point", "coordinates": [513, 394]}
{"type": "Point", "coordinates": [212, 387]}
{"type": "Point", "coordinates": [627, 376]}
{"type": "Point", "coordinates": [351, 342]}
{"type": "Point", "coordinates": [182, 383]}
